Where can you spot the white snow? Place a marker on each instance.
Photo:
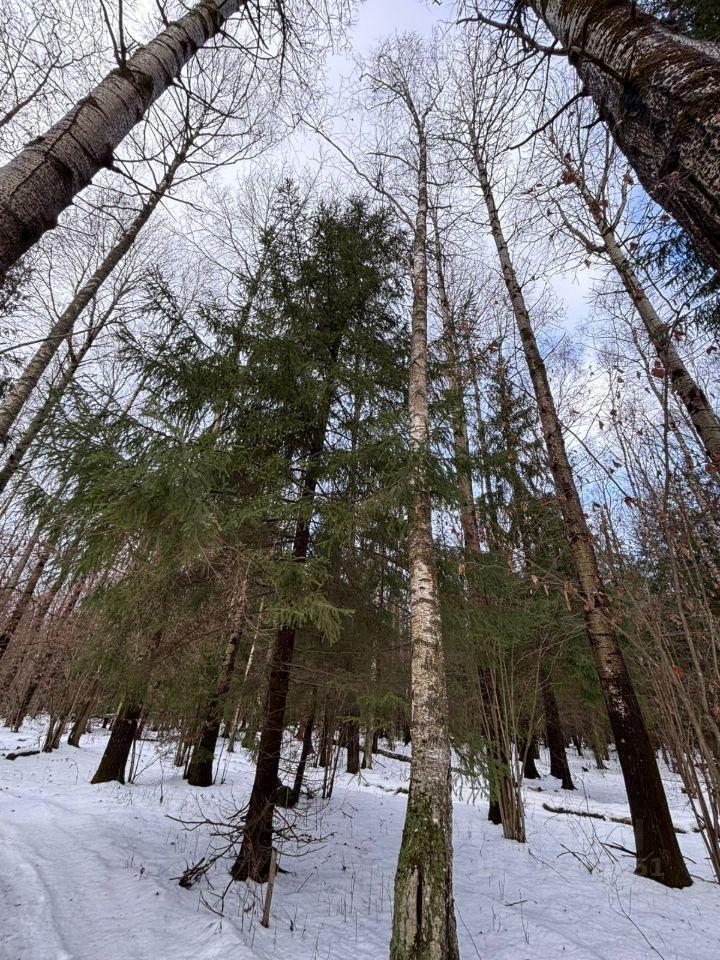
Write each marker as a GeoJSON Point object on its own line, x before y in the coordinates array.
{"type": "Point", "coordinates": [87, 871]}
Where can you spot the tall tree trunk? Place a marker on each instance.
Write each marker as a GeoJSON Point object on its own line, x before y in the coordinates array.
{"type": "Point", "coordinates": [114, 759]}
{"type": "Point", "coordinates": [559, 767]}
{"type": "Point", "coordinates": [688, 392]}
{"type": "Point", "coordinates": [659, 93]}
{"type": "Point", "coordinates": [41, 181]}
{"type": "Point", "coordinates": [657, 850]}
{"type": "Point", "coordinates": [424, 911]}
{"type": "Point", "coordinates": [18, 394]}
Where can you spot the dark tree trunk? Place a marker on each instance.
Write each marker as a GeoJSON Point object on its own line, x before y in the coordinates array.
{"type": "Point", "coordinates": [200, 769]}
{"type": "Point", "coordinates": [114, 759]}
{"type": "Point", "coordinates": [577, 743]}
{"type": "Point", "coordinates": [352, 743]}
{"type": "Point", "coordinates": [658, 852]}
{"type": "Point", "coordinates": [23, 706]}
{"type": "Point", "coordinates": [527, 752]}
{"type": "Point", "coordinates": [253, 861]}
{"type": "Point", "coordinates": [555, 738]}
{"type": "Point", "coordinates": [83, 716]}
{"type": "Point", "coordinates": [304, 754]}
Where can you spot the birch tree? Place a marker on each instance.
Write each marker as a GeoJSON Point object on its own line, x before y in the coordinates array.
{"type": "Point", "coordinates": [42, 180]}
{"type": "Point", "coordinates": [405, 83]}
{"type": "Point", "coordinates": [657, 90]}
{"type": "Point", "coordinates": [204, 123]}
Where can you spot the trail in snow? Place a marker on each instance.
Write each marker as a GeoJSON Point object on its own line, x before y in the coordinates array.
{"type": "Point", "coordinates": [87, 871]}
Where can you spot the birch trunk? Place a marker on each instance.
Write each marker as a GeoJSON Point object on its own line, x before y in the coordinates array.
{"type": "Point", "coordinates": [683, 385]}
{"type": "Point", "coordinates": [659, 93]}
{"type": "Point", "coordinates": [424, 911]}
{"type": "Point", "coordinates": [657, 850]}
{"type": "Point", "coordinates": [28, 380]}
{"type": "Point", "coordinates": [41, 181]}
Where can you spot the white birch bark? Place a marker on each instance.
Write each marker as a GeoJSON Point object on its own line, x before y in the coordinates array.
{"type": "Point", "coordinates": [682, 383]}
{"type": "Point", "coordinates": [659, 93]}
{"type": "Point", "coordinates": [424, 914]}
{"type": "Point", "coordinates": [22, 388]}
{"type": "Point", "coordinates": [41, 181]}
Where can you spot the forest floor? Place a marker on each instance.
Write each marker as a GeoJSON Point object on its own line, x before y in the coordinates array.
{"type": "Point", "coordinates": [89, 872]}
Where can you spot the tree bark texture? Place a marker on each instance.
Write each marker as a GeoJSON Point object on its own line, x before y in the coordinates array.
{"type": "Point", "coordinates": [22, 388]}
{"type": "Point", "coordinates": [200, 769]}
{"type": "Point", "coordinates": [424, 910]}
{"type": "Point", "coordinates": [559, 766]}
{"type": "Point", "coordinates": [114, 759]}
{"type": "Point", "coordinates": [657, 850]}
{"type": "Point", "coordinates": [41, 181]}
{"type": "Point", "coordinates": [659, 93]}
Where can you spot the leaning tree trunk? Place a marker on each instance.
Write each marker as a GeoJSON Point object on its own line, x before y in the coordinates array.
{"type": "Point", "coordinates": [304, 752]}
{"type": "Point", "coordinates": [659, 93]}
{"type": "Point", "coordinates": [559, 766]}
{"type": "Point", "coordinates": [18, 612]}
{"type": "Point", "coordinates": [200, 769]}
{"type": "Point", "coordinates": [83, 716]}
{"type": "Point", "coordinates": [424, 911]}
{"type": "Point", "coordinates": [57, 389]}
{"type": "Point", "coordinates": [21, 563]}
{"type": "Point", "coordinates": [682, 383]}
{"type": "Point", "coordinates": [114, 759]}
{"type": "Point", "coordinates": [41, 181]}
{"type": "Point", "coordinates": [18, 394]}
{"type": "Point", "coordinates": [657, 851]}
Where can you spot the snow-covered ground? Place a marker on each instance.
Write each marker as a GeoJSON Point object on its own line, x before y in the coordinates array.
{"type": "Point", "coordinates": [87, 871]}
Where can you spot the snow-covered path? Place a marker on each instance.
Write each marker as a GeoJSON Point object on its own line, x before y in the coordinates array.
{"type": "Point", "coordinates": [87, 871]}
